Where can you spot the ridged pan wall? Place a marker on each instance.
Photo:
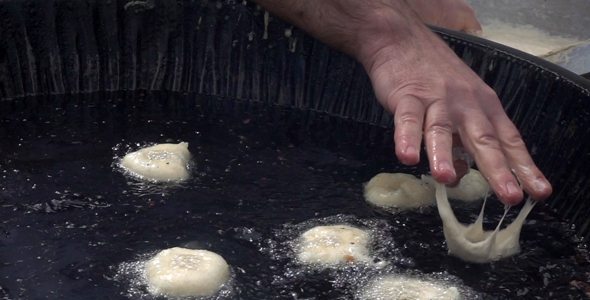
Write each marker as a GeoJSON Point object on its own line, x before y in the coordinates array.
{"type": "Point", "coordinates": [234, 49]}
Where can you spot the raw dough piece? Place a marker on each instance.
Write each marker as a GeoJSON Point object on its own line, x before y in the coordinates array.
{"type": "Point", "coordinates": [470, 242]}
{"type": "Point", "coordinates": [183, 272]}
{"type": "Point", "coordinates": [333, 245]}
{"type": "Point", "coordinates": [404, 288]}
{"type": "Point", "coordinates": [472, 186]}
{"type": "Point", "coordinates": [163, 162]}
{"type": "Point", "coordinates": [398, 190]}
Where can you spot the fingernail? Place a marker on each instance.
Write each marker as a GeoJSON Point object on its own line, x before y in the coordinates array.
{"type": "Point", "coordinates": [541, 184]}
{"type": "Point", "coordinates": [475, 32]}
{"type": "Point", "coordinates": [411, 150]}
{"type": "Point", "coordinates": [445, 165]}
{"type": "Point", "coordinates": [512, 188]}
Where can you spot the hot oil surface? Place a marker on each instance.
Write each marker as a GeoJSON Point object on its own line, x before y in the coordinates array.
{"type": "Point", "coordinates": [74, 226]}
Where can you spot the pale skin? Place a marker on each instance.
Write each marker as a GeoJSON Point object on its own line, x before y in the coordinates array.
{"type": "Point", "coordinates": [432, 94]}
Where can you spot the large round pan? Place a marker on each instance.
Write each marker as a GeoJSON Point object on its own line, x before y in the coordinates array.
{"type": "Point", "coordinates": [294, 128]}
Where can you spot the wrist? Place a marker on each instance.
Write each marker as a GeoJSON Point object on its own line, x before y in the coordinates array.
{"type": "Point", "coordinates": [392, 34]}
{"type": "Point", "coordinates": [401, 44]}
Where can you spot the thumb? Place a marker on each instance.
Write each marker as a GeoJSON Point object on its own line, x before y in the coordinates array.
{"type": "Point", "coordinates": [472, 26]}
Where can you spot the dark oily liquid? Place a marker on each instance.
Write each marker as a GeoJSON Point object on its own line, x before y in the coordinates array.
{"type": "Point", "coordinates": [75, 227]}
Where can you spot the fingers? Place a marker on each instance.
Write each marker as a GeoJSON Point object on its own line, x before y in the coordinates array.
{"type": "Point", "coordinates": [495, 143]}
{"type": "Point", "coordinates": [461, 169]}
{"type": "Point", "coordinates": [488, 135]}
{"type": "Point", "coordinates": [462, 162]}
{"type": "Point", "coordinates": [532, 179]}
{"type": "Point", "coordinates": [409, 124]}
{"type": "Point", "coordinates": [480, 139]}
{"type": "Point", "coordinates": [438, 137]}
{"type": "Point", "coordinates": [409, 117]}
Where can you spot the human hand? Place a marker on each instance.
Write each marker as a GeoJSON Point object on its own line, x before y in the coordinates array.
{"type": "Point", "coordinates": [451, 14]}
{"type": "Point", "coordinates": [430, 90]}
{"type": "Point", "coordinates": [420, 80]}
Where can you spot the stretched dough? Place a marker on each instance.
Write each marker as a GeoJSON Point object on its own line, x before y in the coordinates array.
{"type": "Point", "coordinates": [183, 272]}
{"type": "Point", "coordinates": [472, 186]}
{"type": "Point", "coordinates": [404, 288]}
{"type": "Point", "coordinates": [162, 162]}
{"type": "Point", "coordinates": [470, 242]}
{"type": "Point", "coordinates": [332, 245]}
{"type": "Point", "coordinates": [398, 190]}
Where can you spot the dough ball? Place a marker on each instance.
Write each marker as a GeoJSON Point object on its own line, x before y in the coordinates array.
{"type": "Point", "coordinates": [404, 288]}
{"type": "Point", "coordinates": [472, 186]}
{"type": "Point", "coordinates": [160, 163]}
{"type": "Point", "coordinates": [399, 190]}
{"type": "Point", "coordinates": [183, 272]}
{"type": "Point", "coordinates": [333, 244]}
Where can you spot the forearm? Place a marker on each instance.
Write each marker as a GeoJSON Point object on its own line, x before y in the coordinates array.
{"type": "Point", "coordinates": [354, 26]}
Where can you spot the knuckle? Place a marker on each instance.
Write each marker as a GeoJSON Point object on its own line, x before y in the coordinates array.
{"type": "Point", "coordinates": [408, 118]}
{"type": "Point", "coordinates": [513, 141]}
{"type": "Point", "coordinates": [421, 88]}
{"type": "Point", "coordinates": [489, 93]}
{"type": "Point", "coordinates": [460, 86]}
{"type": "Point", "coordinates": [440, 126]}
{"type": "Point", "coordinates": [487, 139]}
